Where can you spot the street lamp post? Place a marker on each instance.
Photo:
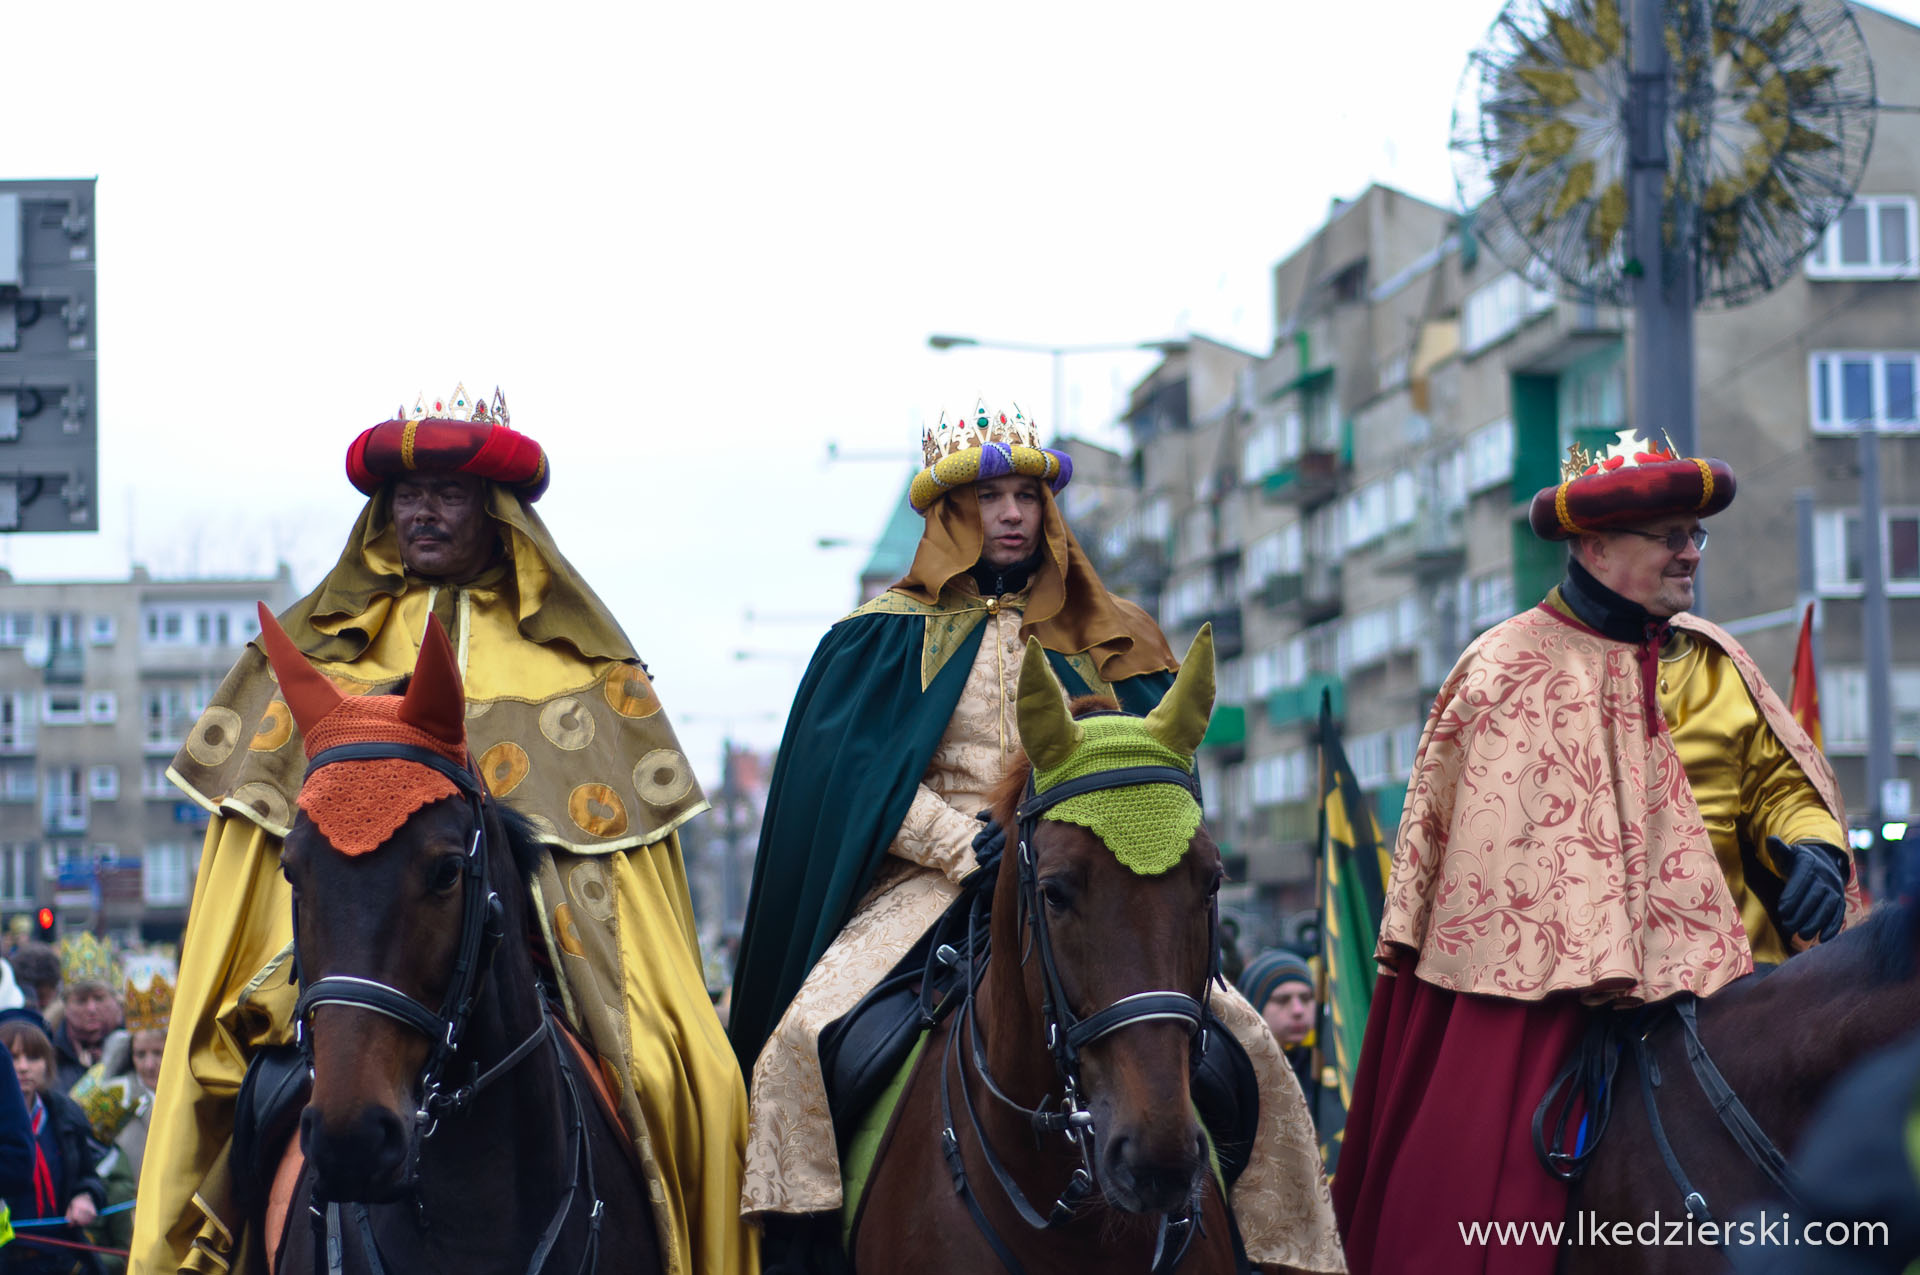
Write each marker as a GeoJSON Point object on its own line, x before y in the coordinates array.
{"type": "Point", "coordinates": [944, 341]}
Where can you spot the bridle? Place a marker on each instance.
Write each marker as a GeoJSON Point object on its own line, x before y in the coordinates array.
{"type": "Point", "coordinates": [483, 920]}
{"type": "Point", "coordinates": [1067, 1033]}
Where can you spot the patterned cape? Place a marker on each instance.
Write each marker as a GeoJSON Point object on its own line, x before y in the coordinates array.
{"type": "Point", "coordinates": [1551, 842]}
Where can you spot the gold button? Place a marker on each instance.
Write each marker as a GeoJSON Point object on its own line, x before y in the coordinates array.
{"type": "Point", "coordinates": [1663, 683]}
{"type": "Point", "coordinates": [993, 606]}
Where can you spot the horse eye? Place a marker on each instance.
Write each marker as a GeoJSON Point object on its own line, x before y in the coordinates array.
{"type": "Point", "coordinates": [1056, 896]}
{"type": "Point", "coordinates": [446, 873]}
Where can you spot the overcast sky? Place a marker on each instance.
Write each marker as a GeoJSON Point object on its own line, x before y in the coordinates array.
{"type": "Point", "coordinates": [692, 244]}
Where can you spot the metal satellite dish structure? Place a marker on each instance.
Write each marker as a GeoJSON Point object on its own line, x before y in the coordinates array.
{"type": "Point", "coordinates": [1767, 119]}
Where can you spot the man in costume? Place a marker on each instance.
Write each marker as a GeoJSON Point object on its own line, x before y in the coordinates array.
{"type": "Point", "coordinates": [1609, 807]}
{"type": "Point", "coordinates": [904, 724]}
{"type": "Point", "coordinates": [567, 730]}
{"type": "Point", "coordinates": [89, 1007]}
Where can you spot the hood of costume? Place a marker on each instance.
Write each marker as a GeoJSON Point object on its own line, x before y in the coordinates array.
{"type": "Point", "coordinates": [561, 715]}
{"type": "Point", "coordinates": [872, 707]}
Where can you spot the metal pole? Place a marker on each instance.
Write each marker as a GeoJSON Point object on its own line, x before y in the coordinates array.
{"type": "Point", "coordinates": [1058, 425]}
{"type": "Point", "coordinates": [1809, 584]}
{"type": "Point", "coordinates": [732, 907]}
{"type": "Point", "coordinates": [1875, 635]}
{"type": "Point", "coordinates": [1664, 391]}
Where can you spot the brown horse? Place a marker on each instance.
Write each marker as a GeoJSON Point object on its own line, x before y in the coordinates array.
{"type": "Point", "coordinates": [452, 1126]}
{"type": "Point", "coordinates": [990, 1135]}
{"type": "Point", "coordinates": [1779, 1038]}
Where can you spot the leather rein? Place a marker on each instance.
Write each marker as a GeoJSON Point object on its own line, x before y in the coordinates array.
{"type": "Point", "coordinates": [482, 927]}
{"type": "Point", "coordinates": [1067, 1034]}
{"type": "Point", "coordinates": [1591, 1074]}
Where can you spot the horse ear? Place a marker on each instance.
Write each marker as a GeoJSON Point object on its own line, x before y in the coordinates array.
{"type": "Point", "coordinates": [309, 695]}
{"type": "Point", "coordinates": [1181, 718]}
{"type": "Point", "coordinates": [435, 701]}
{"type": "Point", "coordinates": [1047, 729]}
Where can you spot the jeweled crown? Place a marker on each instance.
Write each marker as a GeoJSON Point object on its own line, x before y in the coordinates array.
{"type": "Point", "coordinates": [976, 429]}
{"type": "Point", "coordinates": [85, 959]}
{"type": "Point", "coordinates": [149, 1010]}
{"type": "Point", "coordinates": [1627, 449]}
{"type": "Point", "coordinates": [457, 406]}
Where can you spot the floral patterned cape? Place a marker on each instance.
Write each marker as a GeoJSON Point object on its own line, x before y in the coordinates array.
{"type": "Point", "coordinates": [1551, 842]}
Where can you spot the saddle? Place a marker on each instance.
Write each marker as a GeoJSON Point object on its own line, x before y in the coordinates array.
{"type": "Point", "coordinates": [862, 1051]}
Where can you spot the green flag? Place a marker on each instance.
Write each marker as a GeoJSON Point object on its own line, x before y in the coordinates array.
{"type": "Point", "coordinates": [1352, 868]}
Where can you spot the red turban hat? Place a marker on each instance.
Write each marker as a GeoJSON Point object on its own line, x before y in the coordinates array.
{"type": "Point", "coordinates": [423, 440]}
{"type": "Point", "coordinates": [1628, 486]}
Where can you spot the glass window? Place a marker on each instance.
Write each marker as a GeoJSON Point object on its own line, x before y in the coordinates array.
{"type": "Point", "coordinates": [1894, 249]}
{"type": "Point", "coordinates": [1903, 548]}
{"type": "Point", "coordinates": [1823, 391]}
{"type": "Point", "coordinates": [1856, 390]}
{"type": "Point", "coordinates": [1854, 248]}
{"type": "Point", "coordinates": [1872, 239]}
{"type": "Point", "coordinates": [1899, 383]}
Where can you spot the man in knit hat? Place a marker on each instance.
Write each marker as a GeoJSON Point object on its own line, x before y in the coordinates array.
{"type": "Point", "coordinates": [1280, 985]}
{"type": "Point", "coordinates": [904, 724]}
{"type": "Point", "coordinates": [566, 728]}
{"type": "Point", "coordinates": [1609, 806]}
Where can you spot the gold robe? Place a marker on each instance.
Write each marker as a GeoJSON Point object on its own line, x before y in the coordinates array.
{"type": "Point", "coordinates": [581, 746]}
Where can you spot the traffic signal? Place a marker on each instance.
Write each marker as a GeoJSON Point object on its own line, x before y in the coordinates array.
{"type": "Point", "coordinates": [43, 925]}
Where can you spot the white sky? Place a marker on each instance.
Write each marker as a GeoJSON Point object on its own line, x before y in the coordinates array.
{"type": "Point", "coordinates": [692, 243]}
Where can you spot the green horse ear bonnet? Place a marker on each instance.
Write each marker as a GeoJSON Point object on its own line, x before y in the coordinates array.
{"type": "Point", "coordinates": [1147, 826]}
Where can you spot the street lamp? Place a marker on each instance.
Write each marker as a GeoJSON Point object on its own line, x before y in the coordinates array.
{"type": "Point", "coordinates": [947, 341]}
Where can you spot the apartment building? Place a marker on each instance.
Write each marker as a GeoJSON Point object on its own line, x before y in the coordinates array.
{"type": "Point", "coordinates": [100, 684]}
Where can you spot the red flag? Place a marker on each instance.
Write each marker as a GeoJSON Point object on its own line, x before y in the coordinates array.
{"type": "Point", "coordinates": [1805, 699]}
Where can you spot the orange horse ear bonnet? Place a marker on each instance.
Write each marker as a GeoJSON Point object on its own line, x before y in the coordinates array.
{"type": "Point", "coordinates": [358, 805]}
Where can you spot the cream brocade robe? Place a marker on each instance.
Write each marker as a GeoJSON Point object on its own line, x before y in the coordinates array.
{"type": "Point", "coordinates": [1281, 1201]}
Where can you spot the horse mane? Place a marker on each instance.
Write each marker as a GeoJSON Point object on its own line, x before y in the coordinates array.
{"type": "Point", "coordinates": [521, 840]}
{"type": "Point", "coordinates": [1005, 799]}
{"type": "Point", "coordinates": [1887, 942]}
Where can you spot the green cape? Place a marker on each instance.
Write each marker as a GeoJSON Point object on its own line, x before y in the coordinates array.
{"type": "Point", "coordinates": [871, 709]}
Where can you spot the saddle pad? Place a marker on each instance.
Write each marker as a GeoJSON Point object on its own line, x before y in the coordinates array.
{"type": "Point", "coordinates": [857, 1163]}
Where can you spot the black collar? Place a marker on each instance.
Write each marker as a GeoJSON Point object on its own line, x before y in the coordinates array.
{"type": "Point", "coordinates": [1601, 609]}
{"type": "Point", "coordinates": [993, 581]}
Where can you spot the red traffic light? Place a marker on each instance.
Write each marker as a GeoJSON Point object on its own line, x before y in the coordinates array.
{"type": "Point", "coordinates": [44, 917]}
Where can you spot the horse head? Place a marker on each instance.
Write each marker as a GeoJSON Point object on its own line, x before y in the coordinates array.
{"type": "Point", "coordinates": [400, 875]}
{"type": "Point", "coordinates": [1117, 898]}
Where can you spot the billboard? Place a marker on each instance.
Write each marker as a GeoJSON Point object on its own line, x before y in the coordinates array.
{"type": "Point", "coordinates": [49, 395]}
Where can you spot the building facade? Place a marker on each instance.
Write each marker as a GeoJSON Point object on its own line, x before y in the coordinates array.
{"type": "Point", "coordinates": [100, 684]}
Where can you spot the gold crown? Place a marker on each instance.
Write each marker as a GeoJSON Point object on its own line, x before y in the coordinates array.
{"type": "Point", "coordinates": [149, 1010]}
{"type": "Point", "coordinates": [1627, 449]}
{"type": "Point", "coordinates": [457, 406]}
{"type": "Point", "coordinates": [110, 1102]}
{"type": "Point", "coordinates": [977, 430]}
{"type": "Point", "coordinates": [85, 959]}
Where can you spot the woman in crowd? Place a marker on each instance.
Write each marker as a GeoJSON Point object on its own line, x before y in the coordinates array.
{"type": "Point", "coordinates": [64, 1182]}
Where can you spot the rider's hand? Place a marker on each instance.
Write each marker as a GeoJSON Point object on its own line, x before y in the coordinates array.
{"type": "Point", "coordinates": [81, 1212]}
{"type": "Point", "coordinates": [988, 845]}
{"type": "Point", "coordinates": [1814, 899]}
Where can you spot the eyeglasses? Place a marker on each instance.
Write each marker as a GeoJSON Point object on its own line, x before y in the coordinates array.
{"type": "Point", "coordinates": [1674, 540]}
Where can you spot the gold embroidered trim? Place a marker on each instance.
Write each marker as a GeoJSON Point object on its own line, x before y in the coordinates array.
{"type": "Point", "coordinates": [1706, 483]}
{"type": "Point", "coordinates": [1560, 512]}
{"type": "Point", "coordinates": [406, 444]}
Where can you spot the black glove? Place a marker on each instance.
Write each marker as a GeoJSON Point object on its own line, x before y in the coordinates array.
{"type": "Point", "coordinates": [988, 845]}
{"type": "Point", "coordinates": [1814, 899]}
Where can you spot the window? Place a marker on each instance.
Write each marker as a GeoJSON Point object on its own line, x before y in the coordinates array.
{"type": "Point", "coordinates": [1403, 504]}
{"type": "Point", "coordinates": [154, 783]}
{"type": "Point", "coordinates": [164, 879]}
{"type": "Point", "coordinates": [1500, 308]}
{"type": "Point", "coordinates": [164, 626]}
{"type": "Point", "coordinates": [17, 784]}
{"type": "Point", "coordinates": [1402, 744]}
{"type": "Point", "coordinates": [19, 723]}
{"type": "Point", "coordinates": [1281, 778]}
{"type": "Point", "coordinates": [15, 627]}
{"type": "Point", "coordinates": [1843, 708]}
{"type": "Point", "coordinates": [1274, 555]}
{"type": "Point", "coordinates": [1320, 411]}
{"type": "Point", "coordinates": [1366, 513]}
{"type": "Point", "coordinates": [1873, 239]}
{"type": "Point", "coordinates": [66, 802]}
{"type": "Point", "coordinates": [1855, 388]}
{"type": "Point", "coordinates": [1367, 754]}
{"type": "Point", "coordinates": [170, 713]}
{"type": "Point", "coordinates": [101, 631]}
{"type": "Point", "coordinates": [1489, 455]}
{"type": "Point", "coordinates": [102, 706]}
{"type": "Point", "coordinates": [1190, 597]}
{"type": "Point", "coordinates": [1491, 599]}
{"type": "Point", "coordinates": [63, 708]}
{"type": "Point", "coordinates": [19, 875]}
{"type": "Point", "coordinates": [1260, 454]}
{"type": "Point", "coordinates": [1838, 554]}
{"type": "Point", "coordinates": [103, 783]}
{"type": "Point", "coordinates": [1369, 639]}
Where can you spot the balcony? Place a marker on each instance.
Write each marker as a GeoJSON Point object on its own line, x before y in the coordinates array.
{"type": "Point", "coordinates": [1320, 598]}
{"type": "Point", "coordinates": [1309, 479]}
{"type": "Point", "coordinates": [66, 665]}
{"type": "Point", "coordinates": [1229, 634]}
{"type": "Point", "coordinates": [1433, 544]}
{"type": "Point", "coordinates": [1279, 591]}
{"type": "Point", "coordinates": [1227, 733]}
{"type": "Point", "coordinates": [66, 815]}
{"type": "Point", "coordinates": [1294, 821]}
{"type": "Point", "coordinates": [1574, 330]}
{"type": "Point", "coordinates": [1291, 705]}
